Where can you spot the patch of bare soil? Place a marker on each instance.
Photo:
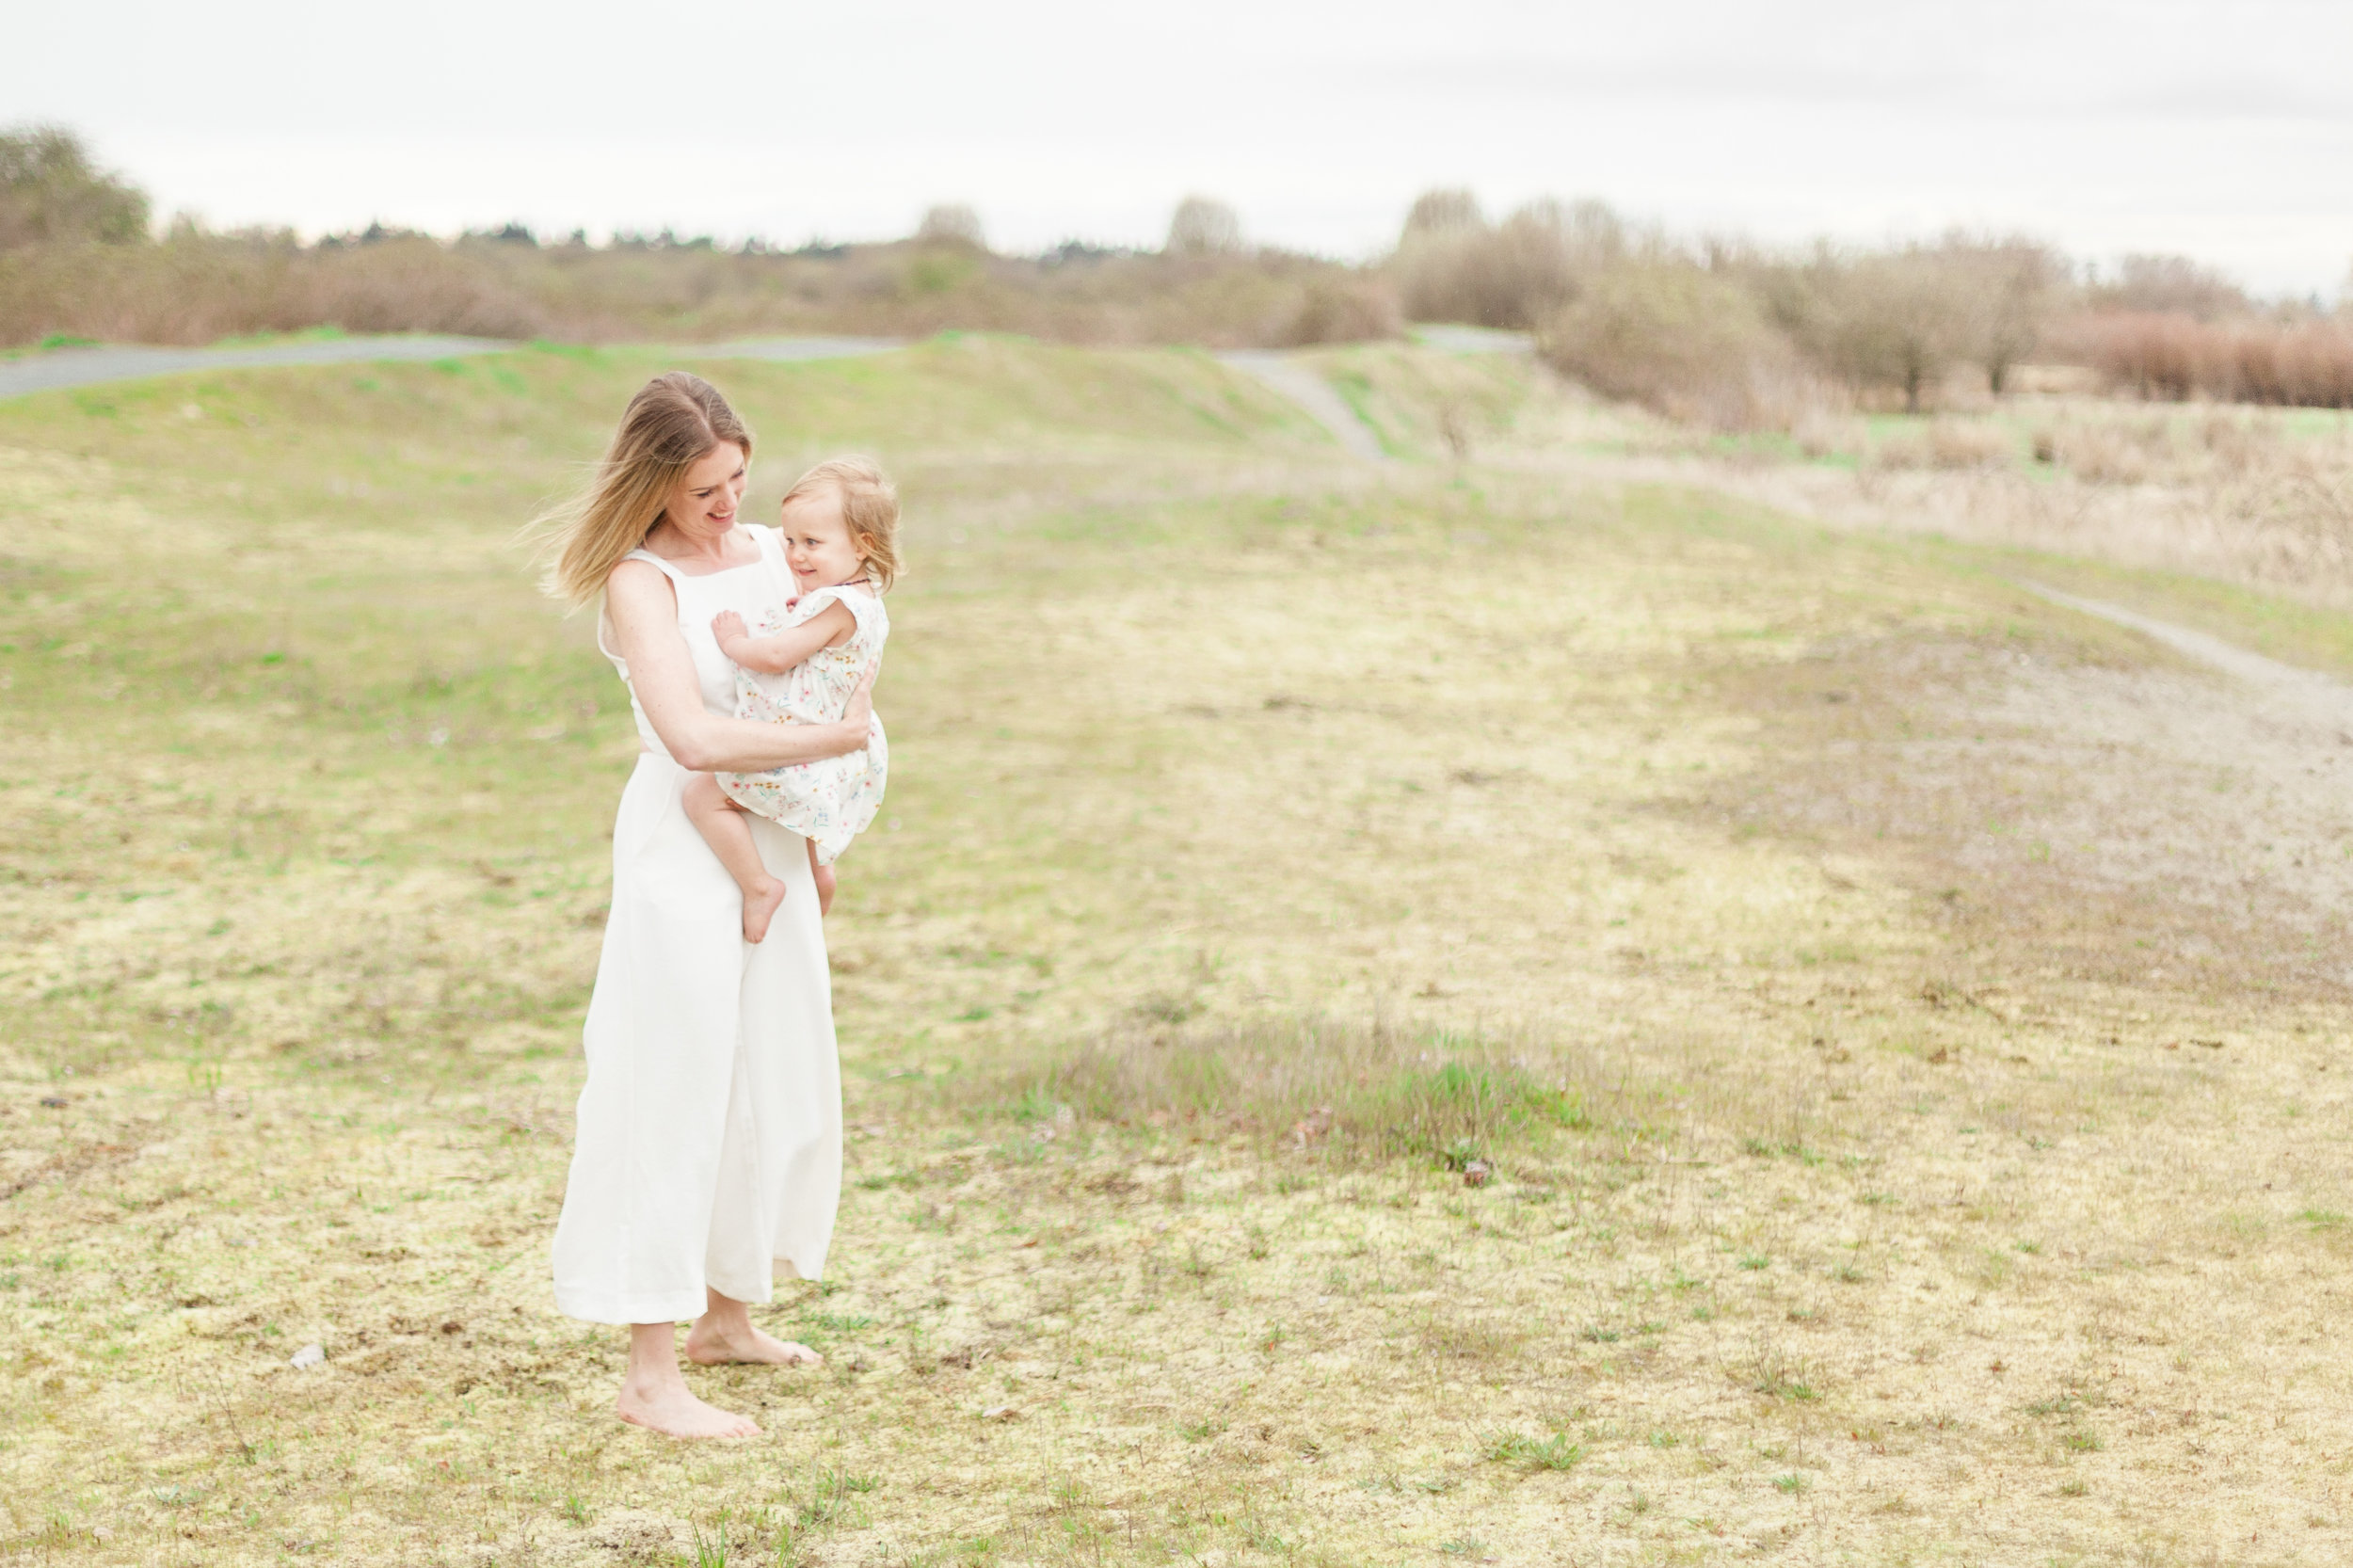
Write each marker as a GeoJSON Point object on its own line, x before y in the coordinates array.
{"type": "Point", "coordinates": [2075, 812]}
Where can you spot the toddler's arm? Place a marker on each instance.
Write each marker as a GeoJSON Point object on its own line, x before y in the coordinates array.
{"type": "Point", "coordinates": [775, 654]}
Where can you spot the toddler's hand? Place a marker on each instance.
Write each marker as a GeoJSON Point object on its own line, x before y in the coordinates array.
{"type": "Point", "coordinates": [727, 626]}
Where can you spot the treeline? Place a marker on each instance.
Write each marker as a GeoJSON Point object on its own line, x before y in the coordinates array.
{"type": "Point", "coordinates": [78, 259]}
{"type": "Point", "coordinates": [1717, 330]}
{"type": "Point", "coordinates": [1738, 335]}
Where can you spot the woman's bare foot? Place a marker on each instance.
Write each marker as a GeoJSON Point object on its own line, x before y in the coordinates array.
{"type": "Point", "coordinates": [825, 888]}
{"type": "Point", "coordinates": [760, 908]}
{"type": "Point", "coordinates": [670, 1409]}
{"type": "Point", "coordinates": [714, 1344]}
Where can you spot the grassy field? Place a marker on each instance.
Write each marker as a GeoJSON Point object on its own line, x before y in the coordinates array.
{"type": "Point", "coordinates": [1912, 1115]}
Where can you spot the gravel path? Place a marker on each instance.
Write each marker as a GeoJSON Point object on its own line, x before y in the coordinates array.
{"type": "Point", "coordinates": [2233, 793]}
{"type": "Point", "coordinates": [2317, 698]}
{"type": "Point", "coordinates": [1452, 339]}
{"type": "Point", "coordinates": [1313, 393]}
{"type": "Point", "coordinates": [86, 367]}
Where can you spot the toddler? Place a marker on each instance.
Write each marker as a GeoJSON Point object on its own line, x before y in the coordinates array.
{"type": "Point", "coordinates": [841, 535]}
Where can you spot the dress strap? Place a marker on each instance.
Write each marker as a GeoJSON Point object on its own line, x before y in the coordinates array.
{"type": "Point", "coordinates": [664, 566]}
{"type": "Point", "coordinates": [604, 620]}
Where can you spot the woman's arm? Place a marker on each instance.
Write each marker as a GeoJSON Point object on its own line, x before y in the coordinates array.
{"type": "Point", "coordinates": [644, 610]}
{"type": "Point", "coordinates": [780, 651]}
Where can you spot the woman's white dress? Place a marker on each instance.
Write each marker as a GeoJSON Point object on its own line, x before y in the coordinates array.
{"type": "Point", "coordinates": [709, 1142]}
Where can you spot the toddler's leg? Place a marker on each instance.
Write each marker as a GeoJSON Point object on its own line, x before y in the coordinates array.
{"type": "Point", "coordinates": [721, 824]}
{"type": "Point", "coordinates": [824, 879]}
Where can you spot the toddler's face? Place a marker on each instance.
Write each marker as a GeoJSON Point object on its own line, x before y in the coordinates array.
{"type": "Point", "coordinates": [817, 542]}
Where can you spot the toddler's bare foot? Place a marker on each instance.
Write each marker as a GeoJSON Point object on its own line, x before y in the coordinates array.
{"type": "Point", "coordinates": [707, 1345]}
{"type": "Point", "coordinates": [760, 908]}
{"type": "Point", "coordinates": [825, 888]}
{"type": "Point", "coordinates": [669, 1409]}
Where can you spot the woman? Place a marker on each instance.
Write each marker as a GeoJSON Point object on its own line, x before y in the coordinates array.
{"type": "Point", "coordinates": [708, 1145]}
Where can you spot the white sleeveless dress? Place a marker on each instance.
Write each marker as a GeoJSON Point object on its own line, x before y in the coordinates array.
{"type": "Point", "coordinates": [709, 1140]}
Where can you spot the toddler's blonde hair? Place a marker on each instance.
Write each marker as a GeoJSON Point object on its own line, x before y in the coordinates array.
{"type": "Point", "coordinates": [870, 505]}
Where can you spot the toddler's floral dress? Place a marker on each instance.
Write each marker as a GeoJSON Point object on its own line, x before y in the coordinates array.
{"type": "Point", "coordinates": [831, 801]}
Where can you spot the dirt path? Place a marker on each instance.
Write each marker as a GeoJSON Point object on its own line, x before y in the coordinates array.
{"type": "Point", "coordinates": [1313, 393]}
{"type": "Point", "coordinates": [2230, 796]}
{"type": "Point", "coordinates": [2163, 822]}
{"type": "Point", "coordinates": [2320, 697]}
{"type": "Point", "coordinates": [85, 367]}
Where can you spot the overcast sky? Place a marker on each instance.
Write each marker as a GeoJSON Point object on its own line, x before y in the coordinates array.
{"type": "Point", "coordinates": [2224, 130]}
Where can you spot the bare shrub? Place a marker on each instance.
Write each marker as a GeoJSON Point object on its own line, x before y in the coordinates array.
{"type": "Point", "coordinates": [1821, 431]}
{"type": "Point", "coordinates": [2107, 453]}
{"type": "Point", "coordinates": [1963, 444]}
{"type": "Point", "coordinates": [2309, 365]}
{"type": "Point", "coordinates": [2229, 441]}
{"type": "Point", "coordinates": [1203, 227]}
{"type": "Point", "coordinates": [1450, 265]}
{"type": "Point", "coordinates": [1948, 443]}
{"type": "Point", "coordinates": [2153, 354]}
{"type": "Point", "coordinates": [1345, 310]}
{"type": "Point", "coordinates": [2174, 356]}
{"type": "Point", "coordinates": [1682, 340]}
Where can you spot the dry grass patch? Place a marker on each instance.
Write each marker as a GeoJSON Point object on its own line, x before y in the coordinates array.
{"type": "Point", "coordinates": [1816, 1219]}
{"type": "Point", "coordinates": [1371, 1089]}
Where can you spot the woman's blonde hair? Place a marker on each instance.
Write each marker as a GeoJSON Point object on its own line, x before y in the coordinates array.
{"type": "Point", "coordinates": [870, 505]}
{"type": "Point", "coordinates": [674, 422]}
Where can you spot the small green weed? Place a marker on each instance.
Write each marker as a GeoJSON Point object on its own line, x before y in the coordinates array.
{"type": "Point", "coordinates": [1535, 1453]}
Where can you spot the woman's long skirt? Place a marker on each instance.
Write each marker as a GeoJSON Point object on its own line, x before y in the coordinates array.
{"type": "Point", "coordinates": [709, 1142]}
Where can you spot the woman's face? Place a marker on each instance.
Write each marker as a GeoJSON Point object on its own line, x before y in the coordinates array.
{"type": "Point", "coordinates": [702, 503]}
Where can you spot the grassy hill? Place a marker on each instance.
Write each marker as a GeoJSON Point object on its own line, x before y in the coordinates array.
{"type": "Point", "coordinates": [1277, 843]}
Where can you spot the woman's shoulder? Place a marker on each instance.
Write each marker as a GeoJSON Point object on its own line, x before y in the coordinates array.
{"type": "Point", "coordinates": [639, 565]}
{"type": "Point", "coordinates": [638, 586]}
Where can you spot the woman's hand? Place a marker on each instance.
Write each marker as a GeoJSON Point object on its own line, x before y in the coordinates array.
{"type": "Point", "coordinates": [859, 714]}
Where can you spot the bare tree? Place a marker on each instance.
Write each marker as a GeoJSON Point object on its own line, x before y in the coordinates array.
{"type": "Point", "coordinates": [1202, 226]}
{"type": "Point", "coordinates": [1683, 339]}
{"type": "Point", "coordinates": [951, 223]}
{"type": "Point", "coordinates": [1890, 318]}
{"type": "Point", "coordinates": [1449, 210]}
{"type": "Point", "coordinates": [1514, 274]}
{"type": "Point", "coordinates": [50, 192]}
{"type": "Point", "coordinates": [2170, 283]}
{"type": "Point", "coordinates": [2006, 289]}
